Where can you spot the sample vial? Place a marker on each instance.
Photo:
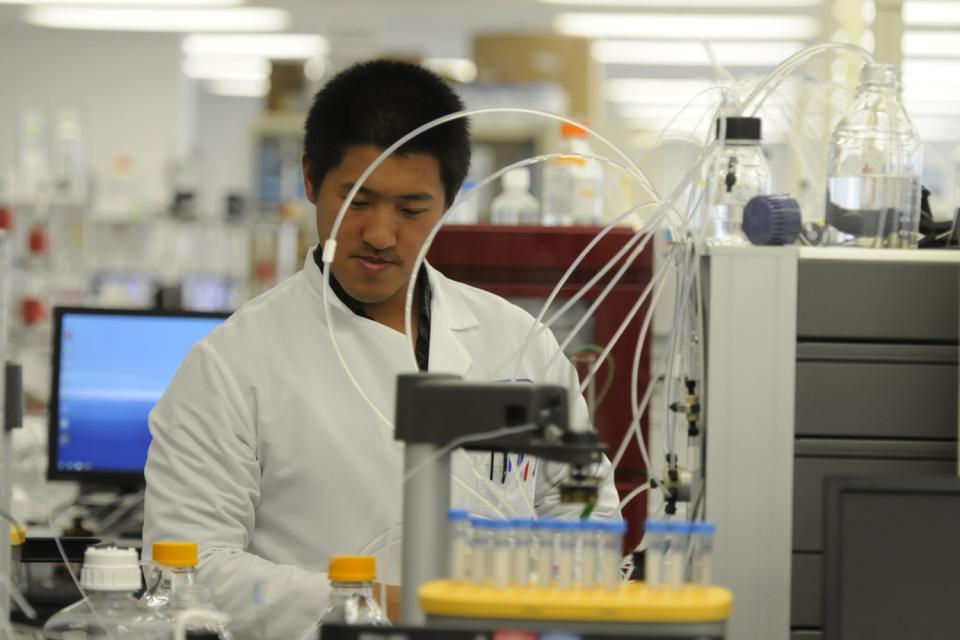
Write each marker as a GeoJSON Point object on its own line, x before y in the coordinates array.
{"type": "Point", "coordinates": [543, 530]}
{"type": "Point", "coordinates": [701, 541]}
{"type": "Point", "coordinates": [656, 535]}
{"type": "Point", "coordinates": [567, 534]}
{"type": "Point", "coordinates": [676, 554]}
{"type": "Point", "coordinates": [589, 554]}
{"type": "Point", "coordinates": [481, 550]}
{"type": "Point", "coordinates": [459, 531]}
{"type": "Point", "coordinates": [611, 550]}
{"type": "Point", "coordinates": [501, 552]}
{"type": "Point", "coordinates": [522, 544]}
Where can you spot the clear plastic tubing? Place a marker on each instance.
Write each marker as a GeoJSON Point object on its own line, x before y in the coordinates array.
{"type": "Point", "coordinates": [459, 531]}
{"type": "Point", "coordinates": [481, 550]}
{"type": "Point", "coordinates": [701, 539]}
{"type": "Point", "coordinates": [500, 558]}
{"type": "Point", "coordinates": [676, 557]}
{"type": "Point", "coordinates": [611, 550]}
{"type": "Point", "coordinates": [543, 530]}
{"type": "Point", "coordinates": [656, 535]}
{"type": "Point", "coordinates": [589, 553]}
{"type": "Point", "coordinates": [567, 534]}
{"type": "Point", "coordinates": [522, 544]}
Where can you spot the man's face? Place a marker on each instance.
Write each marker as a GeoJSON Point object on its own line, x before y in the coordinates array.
{"type": "Point", "coordinates": [386, 224]}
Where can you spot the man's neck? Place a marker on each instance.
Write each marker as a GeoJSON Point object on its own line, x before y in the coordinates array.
{"type": "Point", "coordinates": [391, 312]}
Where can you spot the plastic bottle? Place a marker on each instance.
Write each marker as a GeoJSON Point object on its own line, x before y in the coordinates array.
{"type": "Point", "coordinates": [739, 172]}
{"type": "Point", "coordinates": [701, 541]}
{"type": "Point", "coordinates": [874, 168]}
{"type": "Point", "coordinates": [676, 557]}
{"type": "Point", "coordinates": [573, 185]}
{"type": "Point", "coordinates": [656, 535]}
{"type": "Point", "coordinates": [544, 532]}
{"type": "Point", "coordinates": [611, 550]}
{"type": "Point", "coordinates": [352, 600]}
{"type": "Point", "coordinates": [481, 551]}
{"type": "Point", "coordinates": [176, 568]}
{"type": "Point", "coordinates": [110, 577]}
{"type": "Point", "coordinates": [500, 556]}
{"type": "Point", "coordinates": [589, 554]}
{"type": "Point", "coordinates": [459, 526]}
{"type": "Point", "coordinates": [568, 533]}
{"type": "Point", "coordinates": [515, 204]}
{"type": "Point", "coordinates": [522, 545]}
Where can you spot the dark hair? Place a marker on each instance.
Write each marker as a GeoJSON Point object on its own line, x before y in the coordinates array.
{"type": "Point", "coordinates": [378, 102]}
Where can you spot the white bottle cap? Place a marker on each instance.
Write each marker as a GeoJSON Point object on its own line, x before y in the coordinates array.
{"type": "Point", "coordinates": [110, 569]}
{"type": "Point", "coordinates": [517, 179]}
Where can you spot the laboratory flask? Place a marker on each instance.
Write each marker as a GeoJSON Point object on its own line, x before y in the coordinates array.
{"type": "Point", "coordinates": [573, 184]}
{"type": "Point", "coordinates": [874, 168]}
{"type": "Point", "coordinates": [738, 172]}
{"type": "Point", "coordinates": [515, 204]}
{"type": "Point", "coordinates": [110, 577]}
{"type": "Point", "coordinates": [175, 566]}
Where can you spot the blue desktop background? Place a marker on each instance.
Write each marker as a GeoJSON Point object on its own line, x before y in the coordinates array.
{"type": "Point", "coordinates": [113, 369]}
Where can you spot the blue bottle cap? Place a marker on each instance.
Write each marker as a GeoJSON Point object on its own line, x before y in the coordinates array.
{"type": "Point", "coordinates": [457, 515]}
{"type": "Point", "coordinates": [655, 526]}
{"type": "Point", "coordinates": [680, 528]}
{"type": "Point", "coordinates": [523, 523]}
{"type": "Point", "coordinates": [703, 528]}
{"type": "Point", "coordinates": [772, 220]}
{"type": "Point", "coordinates": [486, 523]}
{"type": "Point", "coordinates": [567, 525]}
{"type": "Point", "coordinates": [615, 527]}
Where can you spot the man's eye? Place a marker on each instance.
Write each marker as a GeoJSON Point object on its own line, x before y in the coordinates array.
{"type": "Point", "coordinates": [359, 204]}
{"type": "Point", "coordinates": [412, 212]}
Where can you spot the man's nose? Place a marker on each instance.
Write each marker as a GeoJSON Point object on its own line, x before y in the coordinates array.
{"type": "Point", "coordinates": [379, 230]}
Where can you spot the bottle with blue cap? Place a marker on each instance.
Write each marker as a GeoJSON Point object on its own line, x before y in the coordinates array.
{"type": "Point", "coordinates": [589, 553]}
{"type": "Point", "coordinates": [481, 550]}
{"type": "Point", "coordinates": [772, 220]}
{"type": "Point", "coordinates": [544, 540]}
{"type": "Point", "coordinates": [567, 535]}
{"type": "Point", "coordinates": [611, 550]}
{"type": "Point", "coordinates": [522, 545]}
{"type": "Point", "coordinates": [701, 541]}
{"type": "Point", "coordinates": [675, 560]}
{"type": "Point", "coordinates": [655, 554]}
{"type": "Point", "coordinates": [459, 528]}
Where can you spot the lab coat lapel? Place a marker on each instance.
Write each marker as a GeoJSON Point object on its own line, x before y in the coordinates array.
{"type": "Point", "coordinates": [449, 319]}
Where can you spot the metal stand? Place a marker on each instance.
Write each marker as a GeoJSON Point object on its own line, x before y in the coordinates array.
{"type": "Point", "coordinates": [426, 498]}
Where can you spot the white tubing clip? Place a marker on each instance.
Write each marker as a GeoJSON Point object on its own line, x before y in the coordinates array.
{"type": "Point", "coordinates": [329, 249]}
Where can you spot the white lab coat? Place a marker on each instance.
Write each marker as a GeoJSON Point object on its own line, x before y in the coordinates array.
{"type": "Point", "coordinates": [265, 453]}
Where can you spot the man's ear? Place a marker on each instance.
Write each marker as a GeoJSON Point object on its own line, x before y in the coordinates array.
{"type": "Point", "coordinates": [307, 179]}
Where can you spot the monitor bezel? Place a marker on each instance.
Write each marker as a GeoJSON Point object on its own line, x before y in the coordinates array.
{"type": "Point", "coordinates": [835, 489]}
{"type": "Point", "coordinates": [111, 478]}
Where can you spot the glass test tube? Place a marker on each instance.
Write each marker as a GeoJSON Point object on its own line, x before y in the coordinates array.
{"type": "Point", "coordinates": [499, 562]}
{"type": "Point", "coordinates": [676, 556]}
{"type": "Point", "coordinates": [589, 554]}
{"type": "Point", "coordinates": [701, 540]}
{"type": "Point", "coordinates": [567, 532]}
{"type": "Point", "coordinates": [522, 543]}
{"type": "Point", "coordinates": [459, 529]}
{"type": "Point", "coordinates": [482, 548]}
{"type": "Point", "coordinates": [543, 530]}
{"type": "Point", "coordinates": [611, 550]}
{"type": "Point", "coordinates": [653, 559]}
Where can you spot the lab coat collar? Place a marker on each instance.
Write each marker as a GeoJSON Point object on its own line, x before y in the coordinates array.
{"type": "Point", "coordinates": [315, 278]}
{"type": "Point", "coordinates": [450, 318]}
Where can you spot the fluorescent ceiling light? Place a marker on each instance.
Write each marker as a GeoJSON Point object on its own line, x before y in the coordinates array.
{"type": "Point", "coordinates": [686, 25]}
{"type": "Point", "coordinates": [931, 14]}
{"type": "Point", "coordinates": [238, 19]}
{"type": "Point", "coordinates": [930, 72]}
{"type": "Point", "coordinates": [460, 69]}
{"type": "Point", "coordinates": [686, 3]}
{"type": "Point", "coordinates": [931, 44]}
{"type": "Point", "coordinates": [693, 53]}
{"type": "Point", "coordinates": [226, 68]}
{"type": "Point", "coordinates": [660, 91]}
{"type": "Point", "coordinates": [271, 46]}
{"type": "Point", "coordinates": [152, 3]}
{"type": "Point", "coordinates": [238, 88]}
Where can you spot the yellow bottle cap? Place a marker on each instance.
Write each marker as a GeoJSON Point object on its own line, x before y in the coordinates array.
{"type": "Point", "coordinates": [18, 535]}
{"type": "Point", "coordinates": [175, 553]}
{"type": "Point", "coordinates": [352, 568]}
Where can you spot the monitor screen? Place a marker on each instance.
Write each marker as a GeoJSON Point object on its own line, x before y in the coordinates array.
{"type": "Point", "coordinates": [109, 369]}
{"type": "Point", "coordinates": [892, 558]}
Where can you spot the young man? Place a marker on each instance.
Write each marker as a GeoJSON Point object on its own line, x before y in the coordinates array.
{"type": "Point", "coordinates": [264, 451]}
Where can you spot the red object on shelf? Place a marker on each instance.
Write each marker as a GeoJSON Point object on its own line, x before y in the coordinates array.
{"type": "Point", "coordinates": [528, 261]}
{"type": "Point", "coordinates": [6, 218]}
{"type": "Point", "coordinates": [32, 311]}
{"type": "Point", "coordinates": [38, 241]}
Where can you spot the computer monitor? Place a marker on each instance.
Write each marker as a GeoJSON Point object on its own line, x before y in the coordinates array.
{"type": "Point", "coordinates": [110, 366]}
{"type": "Point", "coordinates": [892, 558]}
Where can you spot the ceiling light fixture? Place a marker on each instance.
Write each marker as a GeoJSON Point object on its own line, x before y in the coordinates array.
{"type": "Point", "coordinates": [173, 20]}
{"type": "Point", "coordinates": [682, 25]}
{"type": "Point", "coordinates": [693, 53]}
{"type": "Point", "coordinates": [271, 46]}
